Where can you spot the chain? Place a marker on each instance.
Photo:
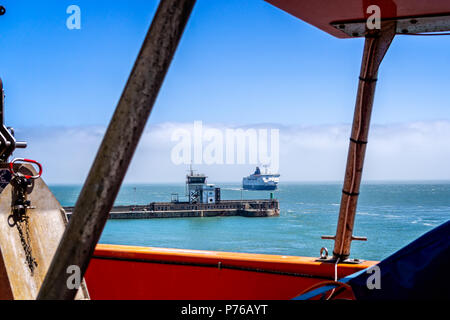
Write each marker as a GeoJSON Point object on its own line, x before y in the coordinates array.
{"type": "Point", "coordinates": [21, 185]}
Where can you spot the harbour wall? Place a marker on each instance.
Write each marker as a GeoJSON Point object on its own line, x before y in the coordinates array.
{"type": "Point", "coordinates": [224, 208]}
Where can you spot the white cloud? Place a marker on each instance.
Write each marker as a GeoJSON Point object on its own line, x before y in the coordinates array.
{"type": "Point", "coordinates": [411, 151]}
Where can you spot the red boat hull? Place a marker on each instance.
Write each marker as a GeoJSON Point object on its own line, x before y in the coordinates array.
{"type": "Point", "coordinates": [134, 273]}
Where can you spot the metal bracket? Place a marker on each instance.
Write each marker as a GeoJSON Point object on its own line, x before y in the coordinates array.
{"type": "Point", "coordinates": [324, 252]}
{"type": "Point", "coordinates": [406, 25]}
{"type": "Point", "coordinates": [21, 204]}
{"type": "Point", "coordinates": [353, 238]}
{"type": "Point", "coordinates": [7, 141]}
{"type": "Point", "coordinates": [324, 258]}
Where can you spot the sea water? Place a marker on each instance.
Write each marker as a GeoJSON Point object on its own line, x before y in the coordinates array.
{"type": "Point", "coordinates": [390, 215]}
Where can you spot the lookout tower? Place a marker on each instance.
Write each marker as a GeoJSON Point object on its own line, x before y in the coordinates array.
{"type": "Point", "coordinates": [198, 191]}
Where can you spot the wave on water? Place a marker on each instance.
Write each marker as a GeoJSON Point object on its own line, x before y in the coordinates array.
{"type": "Point", "coordinates": [367, 214]}
{"type": "Point", "coordinates": [426, 222]}
{"type": "Point", "coordinates": [391, 216]}
{"type": "Point", "coordinates": [430, 224]}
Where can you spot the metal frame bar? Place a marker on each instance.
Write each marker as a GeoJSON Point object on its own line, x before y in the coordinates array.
{"type": "Point", "coordinates": [376, 45]}
{"type": "Point", "coordinates": [405, 25]}
{"type": "Point", "coordinates": [117, 149]}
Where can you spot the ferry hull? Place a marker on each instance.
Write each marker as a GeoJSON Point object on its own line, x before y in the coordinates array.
{"type": "Point", "coordinates": [259, 187]}
{"type": "Point", "coordinates": [123, 273]}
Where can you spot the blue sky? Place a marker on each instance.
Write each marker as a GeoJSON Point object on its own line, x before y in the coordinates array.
{"type": "Point", "coordinates": [239, 63]}
{"type": "Point", "coordinates": [244, 57]}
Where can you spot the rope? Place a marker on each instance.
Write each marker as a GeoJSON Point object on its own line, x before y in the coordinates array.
{"type": "Point", "coordinates": [335, 277]}
{"type": "Point", "coordinates": [336, 284]}
{"type": "Point", "coordinates": [325, 286]}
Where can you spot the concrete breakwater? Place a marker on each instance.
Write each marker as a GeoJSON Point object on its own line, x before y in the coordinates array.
{"type": "Point", "coordinates": [225, 208]}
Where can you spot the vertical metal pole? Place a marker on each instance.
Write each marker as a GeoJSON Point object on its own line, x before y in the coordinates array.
{"type": "Point", "coordinates": [375, 48]}
{"type": "Point", "coordinates": [116, 151]}
{"type": "Point", "coordinates": [2, 103]}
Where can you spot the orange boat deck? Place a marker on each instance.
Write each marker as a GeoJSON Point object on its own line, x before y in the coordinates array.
{"type": "Point", "coordinates": [138, 273]}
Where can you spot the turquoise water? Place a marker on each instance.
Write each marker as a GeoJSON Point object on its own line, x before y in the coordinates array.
{"type": "Point", "coordinates": [390, 215]}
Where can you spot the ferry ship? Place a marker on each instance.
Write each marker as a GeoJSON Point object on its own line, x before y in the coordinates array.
{"type": "Point", "coordinates": [258, 181]}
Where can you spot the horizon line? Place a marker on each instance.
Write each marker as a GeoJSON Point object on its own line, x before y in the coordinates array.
{"type": "Point", "coordinates": [393, 181]}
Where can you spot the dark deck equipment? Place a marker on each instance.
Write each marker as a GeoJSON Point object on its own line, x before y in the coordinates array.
{"type": "Point", "coordinates": [425, 278]}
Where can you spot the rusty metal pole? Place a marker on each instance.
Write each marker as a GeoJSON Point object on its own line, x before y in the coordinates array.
{"type": "Point", "coordinates": [376, 45]}
{"type": "Point", "coordinates": [118, 146]}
